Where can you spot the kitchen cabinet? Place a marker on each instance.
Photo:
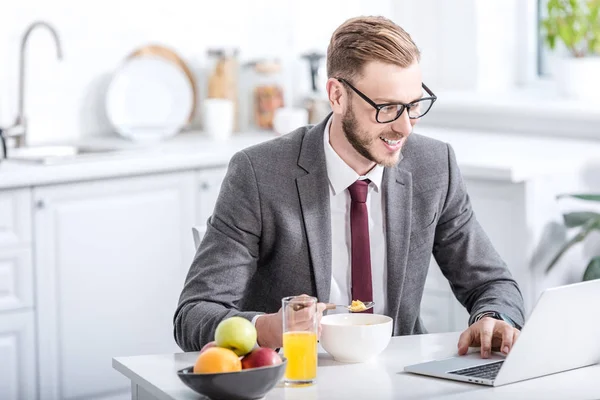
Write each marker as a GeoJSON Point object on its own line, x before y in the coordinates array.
{"type": "Point", "coordinates": [111, 258]}
{"type": "Point", "coordinates": [18, 378]}
{"type": "Point", "coordinates": [17, 356]}
{"type": "Point", "coordinates": [16, 270]}
{"type": "Point", "coordinates": [16, 279]}
{"type": "Point", "coordinates": [15, 218]}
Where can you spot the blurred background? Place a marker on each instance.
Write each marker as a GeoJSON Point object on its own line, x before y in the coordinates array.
{"type": "Point", "coordinates": [118, 120]}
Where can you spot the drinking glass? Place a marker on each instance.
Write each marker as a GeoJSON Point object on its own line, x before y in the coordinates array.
{"type": "Point", "coordinates": [300, 328]}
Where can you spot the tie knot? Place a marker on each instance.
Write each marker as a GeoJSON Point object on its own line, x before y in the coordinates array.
{"type": "Point", "coordinates": [358, 190]}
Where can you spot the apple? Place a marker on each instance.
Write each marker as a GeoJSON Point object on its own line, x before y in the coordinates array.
{"type": "Point", "coordinates": [237, 334]}
{"type": "Point", "coordinates": [208, 346]}
{"type": "Point", "coordinates": [261, 357]}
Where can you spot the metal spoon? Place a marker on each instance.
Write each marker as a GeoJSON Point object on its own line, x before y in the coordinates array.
{"type": "Point", "coordinates": [331, 306]}
{"type": "Point", "coordinates": [368, 305]}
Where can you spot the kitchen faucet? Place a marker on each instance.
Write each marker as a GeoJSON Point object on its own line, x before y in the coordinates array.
{"type": "Point", "coordinates": [19, 129]}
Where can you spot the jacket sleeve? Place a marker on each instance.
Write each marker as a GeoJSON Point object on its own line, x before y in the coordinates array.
{"type": "Point", "coordinates": [225, 260]}
{"type": "Point", "coordinates": [478, 276]}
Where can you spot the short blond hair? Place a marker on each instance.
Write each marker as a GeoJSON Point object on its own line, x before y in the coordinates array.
{"type": "Point", "coordinates": [363, 39]}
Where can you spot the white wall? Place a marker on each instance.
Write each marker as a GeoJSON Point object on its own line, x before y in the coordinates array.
{"type": "Point", "coordinates": [62, 98]}
{"type": "Point", "coordinates": [470, 45]}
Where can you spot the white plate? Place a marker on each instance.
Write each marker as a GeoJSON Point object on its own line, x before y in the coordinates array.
{"type": "Point", "coordinates": [149, 99]}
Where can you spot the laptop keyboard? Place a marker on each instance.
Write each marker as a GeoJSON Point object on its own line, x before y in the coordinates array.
{"type": "Point", "coordinates": [485, 371]}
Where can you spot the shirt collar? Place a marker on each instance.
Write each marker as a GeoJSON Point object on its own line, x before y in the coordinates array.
{"type": "Point", "coordinates": [341, 176]}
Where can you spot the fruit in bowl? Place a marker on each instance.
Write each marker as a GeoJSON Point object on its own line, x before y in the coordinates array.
{"type": "Point", "coordinates": [229, 368]}
{"type": "Point", "coordinates": [355, 338]}
{"type": "Point", "coordinates": [261, 357]}
{"type": "Point", "coordinates": [217, 359]}
{"type": "Point", "coordinates": [237, 334]}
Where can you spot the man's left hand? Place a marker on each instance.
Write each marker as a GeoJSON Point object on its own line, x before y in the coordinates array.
{"type": "Point", "coordinates": [489, 333]}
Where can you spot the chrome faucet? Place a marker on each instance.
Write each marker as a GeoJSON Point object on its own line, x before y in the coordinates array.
{"type": "Point", "coordinates": [18, 130]}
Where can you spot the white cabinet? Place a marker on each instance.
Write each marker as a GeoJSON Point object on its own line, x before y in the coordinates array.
{"type": "Point", "coordinates": [15, 218]}
{"type": "Point", "coordinates": [17, 328]}
{"type": "Point", "coordinates": [16, 279]}
{"type": "Point", "coordinates": [110, 261]}
{"type": "Point", "coordinates": [16, 270]}
{"type": "Point", "coordinates": [17, 356]}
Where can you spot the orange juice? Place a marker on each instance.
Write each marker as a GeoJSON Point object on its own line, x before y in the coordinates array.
{"type": "Point", "coordinates": [300, 349]}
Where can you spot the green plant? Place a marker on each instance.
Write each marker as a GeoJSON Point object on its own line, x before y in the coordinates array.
{"type": "Point", "coordinates": [576, 23]}
{"type": "Point", "coordinates": [587, 221]}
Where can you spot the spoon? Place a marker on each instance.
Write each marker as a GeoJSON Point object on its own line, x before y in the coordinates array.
{"type": "Point", "coordinates": [368, 305]}
{"type": "Point", "coordinates": [331, 306]}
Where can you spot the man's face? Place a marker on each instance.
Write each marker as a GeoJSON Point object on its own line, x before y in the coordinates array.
{"type": "Point", "coordinates": [382, 83]}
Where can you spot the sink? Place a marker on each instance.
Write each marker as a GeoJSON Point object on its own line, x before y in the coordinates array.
{"type": "Point", "coordinates": [52, 154]}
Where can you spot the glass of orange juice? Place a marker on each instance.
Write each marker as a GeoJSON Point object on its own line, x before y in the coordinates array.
{"type": "Point", "coordinates": [300, 327]}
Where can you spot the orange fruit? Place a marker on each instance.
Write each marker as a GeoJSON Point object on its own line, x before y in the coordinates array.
{"type": "Point", "coordinates": [217, 359]}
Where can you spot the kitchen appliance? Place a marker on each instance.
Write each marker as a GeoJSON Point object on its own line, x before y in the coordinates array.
{"type": "Point", "coordinates": [316, 101]}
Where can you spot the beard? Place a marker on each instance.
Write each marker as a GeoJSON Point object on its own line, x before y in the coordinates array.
{"type": "Point", "coordinates": [363, 142]}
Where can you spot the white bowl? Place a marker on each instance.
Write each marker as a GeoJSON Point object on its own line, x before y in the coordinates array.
{"type": "Point", "coordinates": [355, 338]}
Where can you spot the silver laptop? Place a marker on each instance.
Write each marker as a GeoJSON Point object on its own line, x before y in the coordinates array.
{"type": "Point", "coordinates": [562, 333]}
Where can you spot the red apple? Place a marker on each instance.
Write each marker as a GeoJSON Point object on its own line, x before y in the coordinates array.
{"type": "Point", "coordinates": [261, 357]}
{"type": "Point", "coordinates": [208, 346]}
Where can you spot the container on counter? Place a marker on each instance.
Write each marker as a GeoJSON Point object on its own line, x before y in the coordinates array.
{"type": "Point", "coordinates": [223, 77]}
{"type": "Point", "coordinates": [267, 92]}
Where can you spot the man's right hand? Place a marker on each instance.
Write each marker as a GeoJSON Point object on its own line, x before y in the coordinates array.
{"type": "Point", "coordinates": [269, 327]}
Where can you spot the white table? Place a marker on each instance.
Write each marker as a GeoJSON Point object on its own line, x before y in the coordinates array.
{"type": "Point", "coordinates": [154, 377]}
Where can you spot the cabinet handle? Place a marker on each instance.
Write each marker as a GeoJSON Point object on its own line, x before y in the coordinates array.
{"type": "Point", "coordinates": [204, 186]}
{"type": "Point", "coordinates": [40, 204]}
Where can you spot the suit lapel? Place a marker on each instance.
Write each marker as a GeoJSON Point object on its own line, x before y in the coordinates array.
{"type": "Point", "coordinates": [313, 191]}
{"type": "Point", "coordinates": [397, 186]}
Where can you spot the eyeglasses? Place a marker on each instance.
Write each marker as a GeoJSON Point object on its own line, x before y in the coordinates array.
{"type": "Point", "coordinates": [389, 112]}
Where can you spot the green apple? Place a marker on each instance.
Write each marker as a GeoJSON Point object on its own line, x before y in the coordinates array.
{"type": "Point", "coordinates": [237, 334]}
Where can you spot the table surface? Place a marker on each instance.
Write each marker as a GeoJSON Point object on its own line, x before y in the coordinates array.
{"type": "Point", "coordinates": [381, 378]}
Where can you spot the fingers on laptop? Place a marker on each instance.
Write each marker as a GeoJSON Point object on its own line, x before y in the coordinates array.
{"type": "Point", "coordinates": [516, 334]}
{"type": "Point", "coordinates": [490, 335]}
{"type": "Point", "coordinates": [487, 332]}
{"type": "Point", "coordinates": [465, 340]}
{"type": "Point", "coordinates": [507, 338]}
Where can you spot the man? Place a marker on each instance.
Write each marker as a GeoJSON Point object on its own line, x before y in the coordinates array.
{"type": "Point", "coordinates": [351, 208]}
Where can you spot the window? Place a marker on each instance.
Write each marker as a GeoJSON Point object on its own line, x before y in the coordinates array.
{"type": "Point", "coordinates": [543, 52]}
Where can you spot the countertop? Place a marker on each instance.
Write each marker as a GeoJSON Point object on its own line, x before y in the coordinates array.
{"type": "Point", "coordinates": [495, 156]}
{"type": "Point", "coordinates": [513, 157]}
{"type": "Point", "coordinates": [186, 151]}
{"type": "Point", "coordinates": [380, 378]}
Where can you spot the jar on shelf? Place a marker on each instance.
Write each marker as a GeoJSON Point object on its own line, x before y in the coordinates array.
{"type": "Point", "coordinates": [222, 77]}
{"type": "Point", "coordinates": [267, 94]}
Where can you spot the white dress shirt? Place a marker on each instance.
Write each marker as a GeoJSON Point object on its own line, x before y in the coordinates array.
{"type": "Point", "coordinates": [341, 176]}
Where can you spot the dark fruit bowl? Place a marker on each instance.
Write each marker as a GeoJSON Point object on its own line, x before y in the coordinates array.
{"type": "Point", "coordinates": [247, 384]}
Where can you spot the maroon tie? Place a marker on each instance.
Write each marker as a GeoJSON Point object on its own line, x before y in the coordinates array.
{"type": "Point", "coordinates": [362, 287]}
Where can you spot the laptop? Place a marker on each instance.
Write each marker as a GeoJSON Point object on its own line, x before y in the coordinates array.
{"type": "Point", "coordinates": [562, 333]}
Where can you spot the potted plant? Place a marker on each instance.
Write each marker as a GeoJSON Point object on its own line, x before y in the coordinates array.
{"type": "Point", "coordinates": [587, 222]}
{"type": "Point", "coordinates": [575, 23]}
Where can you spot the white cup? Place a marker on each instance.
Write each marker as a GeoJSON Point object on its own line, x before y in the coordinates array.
{"type": "Point", "coordinates": [218, 118]}
{"type": "Point", "coordinates": [287, 119]}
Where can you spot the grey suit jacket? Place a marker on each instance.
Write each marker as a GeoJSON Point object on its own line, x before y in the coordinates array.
{"type": "Point", "coordinates": [270, 237]}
